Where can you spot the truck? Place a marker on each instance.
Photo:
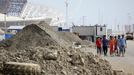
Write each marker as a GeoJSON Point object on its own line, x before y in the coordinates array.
{"type": "Point", "coordinates": [129, 36]}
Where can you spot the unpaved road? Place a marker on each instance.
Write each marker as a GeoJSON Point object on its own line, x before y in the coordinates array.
{"type": "Point", "coordinates": [121, 63]}
{"type": "Point", "coordinates": [124, 63]}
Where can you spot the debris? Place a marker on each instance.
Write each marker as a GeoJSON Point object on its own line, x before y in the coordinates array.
{"type": "Point", "coordinates": [118, 72]}
{"type": "Point", "coordinates": [51, 55]}
{"type": "Point", "coordinates": [15, 68]}
{"type": "Point", "coordinates": [38, 44]}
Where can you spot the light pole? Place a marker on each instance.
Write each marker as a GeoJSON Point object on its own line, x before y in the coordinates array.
{"type": "Point", "coordinates": [83, 20]}
{"type": "Point", "coordinates": [5, 22]}
{"type": "Point", "coordinates": [24, 23]}
{"type": "Point", "coordinates": [66, 3]}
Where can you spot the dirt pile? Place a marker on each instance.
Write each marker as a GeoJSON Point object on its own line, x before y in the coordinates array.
{"type": "Point", "coordinates": [64, 39]}
{"type": "Point", "coordinates": [30, 36]}
{"type": "Point", "coordinates": [58, 61]}
{"type": "Point", "coordinates": [70, 38]}
{"type": "Point", "coordinates": [37, 45]}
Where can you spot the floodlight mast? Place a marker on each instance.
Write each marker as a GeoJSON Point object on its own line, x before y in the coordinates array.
{"type": "Point", "coordinates": [5, 22]}
{"type": "Point", "coordinates": [67, 4]}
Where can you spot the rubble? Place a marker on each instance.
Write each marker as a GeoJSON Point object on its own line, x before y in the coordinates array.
{"type": "Point", "coordinates": [39, 45]}
{"type": "Point", "coordinates": [31, 36]}
{"type": "Point", "coordinates": [50, 55]}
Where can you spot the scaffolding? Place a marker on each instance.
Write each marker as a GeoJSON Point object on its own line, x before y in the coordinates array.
{"type": "Point", "coordinates": [12, 7]}
{"type": "Point", "coordinates": [3, 6]}
{"type": "Point", "coordinates": [25, 10]}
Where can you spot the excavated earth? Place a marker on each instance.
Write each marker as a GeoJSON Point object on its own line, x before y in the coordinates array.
{"type": "Point", "coordinates": [40, 45]}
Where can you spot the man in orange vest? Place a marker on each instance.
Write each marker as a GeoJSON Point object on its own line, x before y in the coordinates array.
{"type": "Point", "coordinates": [111, 45]}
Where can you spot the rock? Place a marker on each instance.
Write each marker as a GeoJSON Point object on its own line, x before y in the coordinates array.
{"type": "Point", "coordinates": [118, 72]}
{"type": "Point", "coordinates": [64, 72]}
{"type": "Point", "coordinates": [76, 60]}
{"type": "Point", "coordinates": [51, 55]}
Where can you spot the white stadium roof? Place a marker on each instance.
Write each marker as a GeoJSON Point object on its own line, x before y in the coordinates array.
{"type": "Point", "coordinates": [30, 12]}
{"type": "Point", "coordinates": [16, 27]}
{"type": "Point", "coordinates": [9, 18]}
{"type": "Point", "coordinates": [13, 18]}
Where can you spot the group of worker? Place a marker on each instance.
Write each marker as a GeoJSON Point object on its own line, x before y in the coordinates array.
{"type": "Point", "coordinates": [115, 44]}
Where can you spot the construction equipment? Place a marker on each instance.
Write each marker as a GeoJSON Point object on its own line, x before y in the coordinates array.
{"type": "Point", "coordinates": [129, 36]}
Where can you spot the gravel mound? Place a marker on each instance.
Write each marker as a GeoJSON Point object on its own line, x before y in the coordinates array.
{"type": "Point", "coordinates": [30, 36]}
{"type": "Point", "coordinates": [64, 39]}
{"type": "Point", "coordinates": [55, 60]}
{"type": "Point", "coordinates": [70, 38]}
{"type": "Point", "coordinates": [40, 45]}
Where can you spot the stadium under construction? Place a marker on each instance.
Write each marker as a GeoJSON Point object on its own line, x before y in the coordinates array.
{"type": "Point", "coordinates": [23, 12]}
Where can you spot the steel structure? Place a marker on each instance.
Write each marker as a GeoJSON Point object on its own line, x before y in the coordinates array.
{"type": "Point", "coordinates": [15, 7]}
{"type": "Point", "coordinates": [3, 6]}
{"type": "Point", "coordinates": [12, 7]}
{"type": "Point", "coordinates": [26, 11]}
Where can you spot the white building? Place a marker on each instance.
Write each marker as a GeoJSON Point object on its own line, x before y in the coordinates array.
{"type": "Point", "coordinates": [55, 28]}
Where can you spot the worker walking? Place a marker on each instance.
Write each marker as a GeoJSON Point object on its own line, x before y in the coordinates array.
{"type": "Point", "coordinates": [99, 45]}
{"type": "Point", "coordinates": [105, 45]}
{"type": "Point", "coordinates": [115, 45]}
{"type": "Point", "coordinates": [118, 45]}
{"type": "Point", "coordinates": [111, 45]}
{"type": "Point", "coordinates": [123, 45]}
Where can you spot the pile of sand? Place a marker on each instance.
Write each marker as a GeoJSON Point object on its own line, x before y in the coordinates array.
{"type": "Point", "coordinates": [64, 39]}
{"type": "Point", "coordinates": [70, 38]}
{"type": "Point", "coordinates": [35, 44]}
{"type": "Point", "coordinates": [31, 36]}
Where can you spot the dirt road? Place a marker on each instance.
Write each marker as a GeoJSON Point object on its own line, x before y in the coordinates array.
{"type": "Point", "coordinates": [124, 63]}
{"type": "Point", "coordinates": [120, 63]}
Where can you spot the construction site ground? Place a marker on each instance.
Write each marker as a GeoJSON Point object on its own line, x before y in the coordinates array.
{"type": "Point", "coordinates": [120, 63]}
{"type": "Point", "coordinates": [39, 44]}
{"type": "Point", "coordinates": [54, 52]}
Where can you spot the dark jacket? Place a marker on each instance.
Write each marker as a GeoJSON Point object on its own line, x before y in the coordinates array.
{"type": "Point", "coordinates": [105, 42]}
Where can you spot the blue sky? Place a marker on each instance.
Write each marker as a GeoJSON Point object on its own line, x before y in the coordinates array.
{"type": "Point", "coordinates": [111, 12]}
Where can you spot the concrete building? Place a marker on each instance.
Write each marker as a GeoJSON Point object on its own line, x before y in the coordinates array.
{"type": "Point", "coordinates": [89, 32]}
{"type": "Point", "coordinates": [55, 28]}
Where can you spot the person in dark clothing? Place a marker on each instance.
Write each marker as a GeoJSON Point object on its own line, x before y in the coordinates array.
{"type": "Point", "coordinates": [105, 45]}
{"type": "Point", "coordinates": [118, 44]}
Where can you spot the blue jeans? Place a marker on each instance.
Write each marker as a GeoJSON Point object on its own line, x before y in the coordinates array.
{"type": "Point", "coordinates": [122, 49]}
